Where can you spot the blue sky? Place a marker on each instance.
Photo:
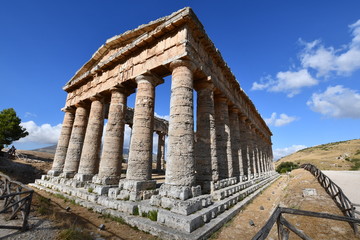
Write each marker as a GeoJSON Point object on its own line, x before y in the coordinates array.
{"type": "Point", "coordinates": [299, 61]}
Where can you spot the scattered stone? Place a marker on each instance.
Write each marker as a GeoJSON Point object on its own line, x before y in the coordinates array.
{"type": "Point", "coordinates": [309, 192]}
{"type": "Point", "coordinates": [68, 209]}
{"type": "Point", "coordinates": [251, 222]}
{"type": "Point", "coordinates": [262, 208]}
{"type": "Point", "coordinates": [102, 227]}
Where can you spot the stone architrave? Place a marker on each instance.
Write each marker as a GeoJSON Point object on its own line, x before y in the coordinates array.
{"type": "Point", "coordinates": [111, 157]}
{"type": "Point", "coordinates": [141, 145]}
{"type": "Point", "coordinates": [160, 157]}
{"type": "Point", "coordinates": [235, 140]}
{"type": "Point", "coordinates": [89, 161]}
{"type": "Point", "coordinates": [76, 141]}
{"type": "Point", "coordinates": [63, 143]}
{"type": "Point", "coordinates": [223, 137]}
{"type": "Point", "coordinates": [205, 146]}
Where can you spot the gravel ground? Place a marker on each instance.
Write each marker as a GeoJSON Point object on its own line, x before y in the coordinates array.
{"type": "Point", "coordinates": [40, 229]}
{"type": "Point", "coordinates": [348, 181]}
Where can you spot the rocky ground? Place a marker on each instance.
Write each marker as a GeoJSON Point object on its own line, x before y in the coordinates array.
{"type": "Point", "coordinates": [53, 217]}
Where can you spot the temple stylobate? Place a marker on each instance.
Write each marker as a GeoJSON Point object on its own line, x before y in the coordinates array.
{"type": "Point", "coordinates": [229, 151]}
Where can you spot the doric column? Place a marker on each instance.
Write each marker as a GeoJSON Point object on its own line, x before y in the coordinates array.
{"type": "Point", "coordinates": [140, 153]}
{"type": "Point", "coordinates": [223, 137]}
{"type": "Point", "coordinates": [205, 146]}
{"type": "Point", "coordinates": [76, 142]}
{"type": "Point", "coordinates": [180, 165]}
{"type": "Point", "coordinates": [89, 161]}
{"type": "Point", "coordinates": [245, 146]}
{"type": "Point", "coordinates": [111, 157]}
{"type": "Point", "coordinates": [235, 140]}
{"type": "Point", "coordinates": [160, 151]}
{"type": "Point", "coordinates": [63, 143]}
{"type": "Point", "coordinates": [252, 151]}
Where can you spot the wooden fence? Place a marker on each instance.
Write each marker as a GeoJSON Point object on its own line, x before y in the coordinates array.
{"type": "Point", "coordinates": [336, 193]}
{"type": "Point", "coordinates": [284, 226]}
{"type": "Point", "coordinates": [16, 199]}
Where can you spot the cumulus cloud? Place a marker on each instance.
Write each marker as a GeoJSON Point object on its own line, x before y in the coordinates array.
{"type": "Point", "coordinates": [315, 57]}
{"type": "Point", "coordinates": [337, 102]}
{"type": "Point", "coordinates": [290, 82]}
{"type": "Point", "coordinates": [327, 60]}
{"type": "Point", "coordinates": [43, 134]}
{"type": "Point", "coordinates": [282, 120]}
{"type": "Point", "coordinates": [282, 152]}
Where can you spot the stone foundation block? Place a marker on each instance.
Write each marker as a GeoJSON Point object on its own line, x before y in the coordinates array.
{"type": "Point", "coordinates": [136, 186]}
{"type": "Point", "coordinates": [179, 222]}
{"type": "Point", "coordinates": [113, 180]}
{"type": "Point", "coordinates": [179, 192]}
{"type": "Point", "coordinates": [83, 177]}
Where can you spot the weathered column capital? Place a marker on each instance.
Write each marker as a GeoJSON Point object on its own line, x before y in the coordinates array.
{"type": "Point", "coordinates": [234, 109]}
{"type": "Point", "coordinates": [219, 97]}
{"type": "Point", "coordinates": [178, 63]}
{"type": "Point", "coordinates": [149, 77]}
{"type": "Point", "coordinates": [122, 90]}
{"type": "Point", "coordinates": [204, 84]}
{"type": "Point", "coordinates": [96, 97]}
{"type": "Point", "coordinates": [68, 109]}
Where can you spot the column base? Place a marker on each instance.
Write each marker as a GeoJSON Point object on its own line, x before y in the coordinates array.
{"type": "Point", "coordinates": [179, 192]}
{"type": "Point", "coordinates": [54, 173]}
{"type": "Point", "coordinates": [136, 190]}
{"type": "Point", "coordinates": [83, 177]}
{"type": "Point", "coordinates": [67, 174]}
{"type": "Point", "coordinates": [107, 180]}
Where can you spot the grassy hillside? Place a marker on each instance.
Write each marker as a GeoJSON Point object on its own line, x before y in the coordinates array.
{"type": "Point", "coordinates": [344, 155]}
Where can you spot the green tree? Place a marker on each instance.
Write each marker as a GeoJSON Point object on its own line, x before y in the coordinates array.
{"type": "Point", "coordinates": [286, 167]}
{"type": "Point", "coordinates": [10, 129]}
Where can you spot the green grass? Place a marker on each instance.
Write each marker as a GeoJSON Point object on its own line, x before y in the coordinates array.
{"type": "Point", "coordinates": [356, 162]}
{"type": "Point", "coordinates": [73, 233]}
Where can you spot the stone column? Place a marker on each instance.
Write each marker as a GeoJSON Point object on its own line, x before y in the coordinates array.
{"type": "Point", "coordinates": [205, 146]}
{"type": "Point", "coordinates": [223, 137]}
{"type": "Point", "coordinates": [138, 174]}
{"type": "Point", "coordinates": [252, 151]}
{"type": "Point", "coordinates": [160, 151]}
{"type": "Point", "coordinates": [112, 152]}
{"type": "Point", "coordinates": [180, 172]}
{"type": "Point", "coordinates": [63, 143]}
{"type": "Point", "coordinates": [76, 142]}
{"type": "Point", "coordinates": [89, 161]}
{"type": "Point", "coordinates": [244, 144]}
{"type": "Point", "coordinates": [235, 140]}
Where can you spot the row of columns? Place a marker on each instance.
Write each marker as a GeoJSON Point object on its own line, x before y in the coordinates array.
{"type": "Point", "coordinates": [226, 143]}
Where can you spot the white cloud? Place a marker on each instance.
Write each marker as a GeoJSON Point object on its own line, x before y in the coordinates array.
{"type": "Point", "coordinates": [29, 115]}
{"type": "Point", "coordinates": [327, 60]}
{"type": "Point", "coordinates": [282, 120]}
{"type": "Point", "coordinates": [337, 102]}
{"type": "Point", "coordinates": [44, 134]}
{"type": "Point", "coordinates": [315, 57]}
{"type": "Point", "coordinates": [289, 82]}
{"type": "Point", "coordinates": [282, 152]}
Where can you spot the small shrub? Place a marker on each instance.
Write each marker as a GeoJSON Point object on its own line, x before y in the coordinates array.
{"type": "Point", "coordinates": [136, 211]}
{"type": "Point", "coordinates": [152, 215]}
{"type": "Point", "coordinates": [286, 167]}
{"type": "Point", "coordinates": [90, 189]}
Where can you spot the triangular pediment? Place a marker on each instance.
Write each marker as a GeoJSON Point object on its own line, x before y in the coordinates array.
{"type": "Point", "coordinates": [113, 46]}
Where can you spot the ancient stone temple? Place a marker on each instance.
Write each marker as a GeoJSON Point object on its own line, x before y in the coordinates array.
{"type": "Point", "coordinates": [209, 173]}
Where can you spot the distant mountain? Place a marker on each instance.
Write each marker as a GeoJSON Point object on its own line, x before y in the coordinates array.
{"type": "Point", "coordinates": [344, 155]}
{"type": "Point", "coordinates": [49, 149]}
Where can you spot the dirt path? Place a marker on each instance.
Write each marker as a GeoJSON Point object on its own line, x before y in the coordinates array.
{"type": "Point", "coordinates": [348, 181]}
{"type": "Point", "coordinates": [288, 192]}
